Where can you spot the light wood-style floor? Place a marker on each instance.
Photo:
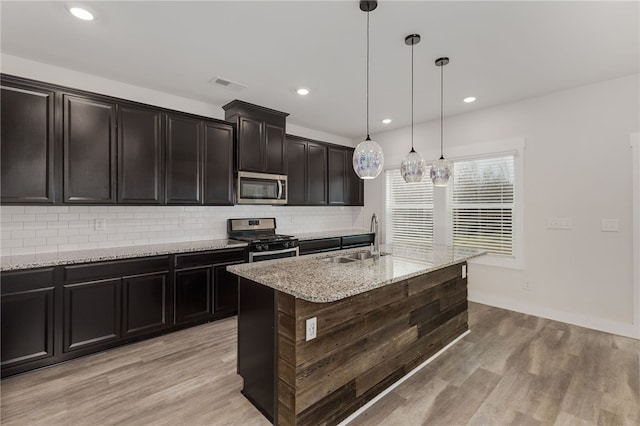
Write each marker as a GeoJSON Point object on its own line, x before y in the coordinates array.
{"type": "Point", "coordinates": [512, 369]}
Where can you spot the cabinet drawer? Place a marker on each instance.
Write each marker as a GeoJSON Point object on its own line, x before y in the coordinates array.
{"type": "Point", "coordinates": [210, 258]}
{"type": "Point", "coordinates": [317, 246]}
{"type": "Point", "coordinates": [119, 268]}
{"type": "Point", "coordinates": [357, 240]}
{"type": "Point", "coordinates": [30, 279]}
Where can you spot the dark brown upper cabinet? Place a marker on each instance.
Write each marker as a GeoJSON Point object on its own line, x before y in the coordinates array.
{"type": "Point", "coordinates": [218, 163]}
{"type": "Point", "coordinates": [261, 131]}
{"type": "Point", "coordinates": [306, 171]}
{"type": "Point", "coordinates": [27, 143]}
{"type": "Point", "coordinates": [89, 147]}
{"type": "Point", "coordinates": [345, 187]}
{"type": "Point", "coordinates": [140, 150]}
{"type": "Point", "coordinates": [184, 160]}
{"type": "Point", "coordinates": [355, 185]}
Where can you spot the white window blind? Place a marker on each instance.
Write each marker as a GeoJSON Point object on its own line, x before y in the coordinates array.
{"type": "Point", "coordinates": [409, 210]}
{"type": "Point", "coordinates": [483, 204]}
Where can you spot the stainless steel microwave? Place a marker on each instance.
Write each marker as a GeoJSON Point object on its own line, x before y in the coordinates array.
{"type": "Point", "coordinates": [261, 188]}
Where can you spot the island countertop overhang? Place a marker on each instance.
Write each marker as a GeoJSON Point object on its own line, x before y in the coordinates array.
{"type": "Point", "coordinates": [313, 278]}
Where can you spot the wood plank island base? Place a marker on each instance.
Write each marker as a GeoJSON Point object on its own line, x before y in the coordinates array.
{"type": "Point", "coordinates": [376, 320]}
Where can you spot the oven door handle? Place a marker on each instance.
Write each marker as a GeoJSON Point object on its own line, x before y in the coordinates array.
{"type": "Point", "coordinates": [252, 255]}
{"type": "Point", "coordinates": [279, 189]}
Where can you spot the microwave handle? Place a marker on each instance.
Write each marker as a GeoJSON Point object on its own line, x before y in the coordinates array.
{"type": "Point", "coordinates": [279, 189]}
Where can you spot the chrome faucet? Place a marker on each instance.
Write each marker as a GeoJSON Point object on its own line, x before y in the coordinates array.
{"type": "Point", "coordinates": [375, 249]}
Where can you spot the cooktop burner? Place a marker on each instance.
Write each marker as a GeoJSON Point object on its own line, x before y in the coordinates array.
{"type": "Point", "coordinates": [265, 238]}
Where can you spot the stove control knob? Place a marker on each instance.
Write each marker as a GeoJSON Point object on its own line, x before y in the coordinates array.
{"type": "Point", "coordinates": [259, 247]}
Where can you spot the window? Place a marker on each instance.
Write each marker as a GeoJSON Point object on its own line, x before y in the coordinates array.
{"type": "Point", "coordinates": [408, 211]}
{"type": "Point", "coordinates": [482, 204]}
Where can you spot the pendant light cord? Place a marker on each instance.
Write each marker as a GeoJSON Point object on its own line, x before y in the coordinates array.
{"type": "Point", "coordinates": [412, 44]}
{"type": "Point", "coordinates": [441, 110]}
{"type": "Point", "coordinates": [368, 76]}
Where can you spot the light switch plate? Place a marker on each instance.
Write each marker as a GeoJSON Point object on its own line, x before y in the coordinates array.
{"type": "Point", "coordinates": [610, 225]}
{"type": "Point", "coordinates": [464, 271]}
{"type": "Point", "coordinates": [564, 223]}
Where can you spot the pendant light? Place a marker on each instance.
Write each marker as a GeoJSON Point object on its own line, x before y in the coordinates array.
{"type": "Point", "coordinates": [368, 158]}
{"type": "Point", "coordinates": [413, 165]}
{"type": "Point", "coordinates": [441, 169]}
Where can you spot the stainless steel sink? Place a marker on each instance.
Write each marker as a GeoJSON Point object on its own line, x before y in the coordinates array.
{"type": "Point", "coordinates": [338, 259]}
{"type": "Point", "coordinates": [352, 257]}
{"type": "Point", "coordinates": [362, 255]}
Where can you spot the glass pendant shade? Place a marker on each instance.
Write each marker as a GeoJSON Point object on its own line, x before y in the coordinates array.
{"type": "Point", "coordinates": [441, 171]}
{"type": "Point", "coordinates": [368, 159]}
{"type": "Point", "coordinates": [412, 167]}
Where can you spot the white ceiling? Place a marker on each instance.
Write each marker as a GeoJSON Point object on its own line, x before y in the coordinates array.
{"type": "Point", "coordinates": [500, 51]}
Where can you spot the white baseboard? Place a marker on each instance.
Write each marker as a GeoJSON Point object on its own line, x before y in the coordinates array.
{"type": "Point", "coordinates": [613, 327]}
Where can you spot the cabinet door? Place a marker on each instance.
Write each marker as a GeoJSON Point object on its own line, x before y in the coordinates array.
{"type": "Point", "coordinates": [139, 155]}
{"type": "Point", "coordinates": [250, 145]}
{"type": "Point", "coordinates": [27, 145]}
{"type": "Point", "coordinates": [27, 311]}
{"type": "Point", "coordinates": [89, 150]}
{"type": "Point", "coordinates": [336, 176]}
{"type": "Point", "coordinates": [355, 185]}
{"type": "Point", "coordinates": [274, 149]}
{"type": "Point", "coordinates": [225, 291]}
{"type": "Point", "coordinates": [297, 172]}
{"type": "Point", "coordinates": [183, 161]}
{"type": "Point", "coordinates": [91, 313]}
{"type": "Point", "coordinates": [218, 163]}
{"type": "Point", "coordinates": [317, 174]}
{"type": "Point", "coordinates": [144, 303]}
{"type": "Point", "coordinates": [192, 295]}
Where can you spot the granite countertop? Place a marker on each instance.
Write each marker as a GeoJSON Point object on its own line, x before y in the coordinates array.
{"type": "Point", "coordinates": [317, 280]}
{"type": "Point", "coordinates": [330, 234]}
{"type": "Point", "coordinates": [27, 261]}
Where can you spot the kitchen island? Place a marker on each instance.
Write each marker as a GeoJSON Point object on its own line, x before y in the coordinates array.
{"type": "Point", "coordinates": [376, 319]}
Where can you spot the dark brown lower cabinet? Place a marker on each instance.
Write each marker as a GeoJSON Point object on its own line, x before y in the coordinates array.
{"type": "Point", "coordinates": [50, 315]}
{"type": "Point", "coordinates": [225, 291]}
{"type": "Point", "coordinates": [193, 295]}
{"type": "Point", "coordinates": [27, 314]}
{"type": "Point", "coordinates": [144, 303]}
{"type": "Point", "coordinates": [91, 313]}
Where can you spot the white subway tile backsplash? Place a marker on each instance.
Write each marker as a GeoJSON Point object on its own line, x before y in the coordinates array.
{"type": "Point", "coordinates": [23, 217]}
{"type": "Point", "coordinates": [46, 217]}
{"type": "Point", "coordinates": [59, 228]}
{"type": "Point", "coordinates": [23, 234]}
{"type": "Point", "coordinates": [57, 240]}
{"type": "Point", "coordinates": [36, 209]}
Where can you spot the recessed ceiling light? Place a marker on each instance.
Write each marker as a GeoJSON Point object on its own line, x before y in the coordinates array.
{"type": "Point", "coordinates": [302, 91]}
{"type": "Point", "coordinates": [81, 13]}
{"type": "Point", "coordinates": [469, 99]}
{"type": "Point", "coordinates": [386, 121]}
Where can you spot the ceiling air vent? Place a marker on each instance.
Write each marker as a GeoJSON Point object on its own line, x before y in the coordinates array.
{"type": "Point", "coordinates": [229, 84]}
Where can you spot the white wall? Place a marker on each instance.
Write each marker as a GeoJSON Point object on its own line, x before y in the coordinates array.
{"type": "Point", "coordinates": [576, 165]}
{"type": "Point", "coordinates": [14, 65]}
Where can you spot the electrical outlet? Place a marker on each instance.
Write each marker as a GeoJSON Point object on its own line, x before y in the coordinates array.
{"type": "Point", "coordinates": [181, 221]}
{"type": "Point", "coordinates": [526, 285]}
{"type": "Point", "coordinates": [464, 271]}
{"type": "Point", "coordinates": [559, 223]}
{"type": "Point", "coordinates": [610, 225]}
{"type": "Point", "coordinates": [99, 224]}
{"type": "Point", "coordinates": [312, 328]}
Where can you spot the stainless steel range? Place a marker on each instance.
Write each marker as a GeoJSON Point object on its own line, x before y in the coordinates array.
{"type": "Point", "coordinates": [264, 243]}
